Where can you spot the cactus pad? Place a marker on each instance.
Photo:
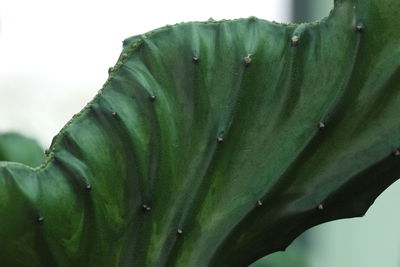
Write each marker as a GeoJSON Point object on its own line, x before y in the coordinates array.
{"type": "Point", "coordinates": [213, 144]}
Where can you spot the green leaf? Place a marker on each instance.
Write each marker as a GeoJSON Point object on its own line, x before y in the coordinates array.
{"type": "Point", "coordinates": [295, 258]}
{"type": "Point", "coordinates": [18, 148]}
{"type": "Point", "coordinates": [213, 144]}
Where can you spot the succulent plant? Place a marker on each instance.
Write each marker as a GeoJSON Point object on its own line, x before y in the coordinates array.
{"type": "Point", "coordinates": [215, 143]}
{"type": "Point", "coordinates": [19, 148]}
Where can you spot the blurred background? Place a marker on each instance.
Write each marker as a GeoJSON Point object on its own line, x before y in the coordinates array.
{"type": "Point", "coordinates": [54, 57]}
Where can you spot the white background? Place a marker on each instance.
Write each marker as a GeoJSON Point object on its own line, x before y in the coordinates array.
{"type": "Point", "coordinates": [54, 55]}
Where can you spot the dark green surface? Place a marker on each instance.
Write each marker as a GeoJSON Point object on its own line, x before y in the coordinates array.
{"type": "Point", "coordinates": [298, 253]}
{"type": "Point", "coordinates": [18, 148]}
{"type": "Point", "coordinates": [126, 149]}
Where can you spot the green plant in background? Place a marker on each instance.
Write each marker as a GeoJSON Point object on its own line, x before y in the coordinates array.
{"type": "Point", "coordinates": [295, 256]}
{"type": "Point", "coordinates": [213, 144]}
{"type": "Point", "coordinates": [310, 10]}
{"type": "Point", "coordinates": [18, 148]}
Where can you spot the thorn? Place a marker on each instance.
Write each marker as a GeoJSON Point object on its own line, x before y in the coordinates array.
{"type": "Point", "coordinates": [321, 125]}
{"type": "Point", "coordinates": [396, 153]}
{"type": "Point", "coordinates": [114, 113]}
{"type": "Point", "coordinates": [295, 41]}
{"type": "Point", "coordinates": [179, 232]}
{"type": "Point", "coordinates": [359, 28]}
{"type": "Point", "coordinates": [110, 70]}
{"type": "Point", "coordinates": [195, 60]}
{"type": "Point", "coordinates": [152, 97]}
{"type": "Point", "coordinates": [146, 208]}
{"type": "Point", "coordinates": [88, 187]}
{"type": "Point", "coordinates": [259, 203]}
{"type": "Point", "coordinates": [40, 219]}
{"type": "Point", "coordinates": [320, 207]}
{"type": "Point", "coordinates": [220, 140]}
{"type": "Point", "coordinates": [46, 152]}
{"type": "Point", "coordinates": [124, 55]}
{"type": "Point", "coordinates": [247, 60]}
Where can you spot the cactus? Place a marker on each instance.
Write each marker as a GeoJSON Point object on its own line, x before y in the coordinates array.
{"type": "Point", "coordinates": [213, 144]}
{"type": "Point", "coordinates": [18, 148]}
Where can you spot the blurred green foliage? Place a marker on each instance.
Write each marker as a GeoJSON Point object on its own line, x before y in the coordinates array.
{"type": "Point", "coordinates": [18, 148]}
